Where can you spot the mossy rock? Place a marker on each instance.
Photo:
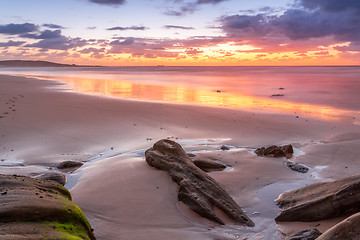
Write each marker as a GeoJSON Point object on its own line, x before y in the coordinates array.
{"type": "Point", "coordinates": [39, 209]}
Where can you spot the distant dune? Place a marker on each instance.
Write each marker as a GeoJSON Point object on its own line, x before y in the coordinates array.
{"type": "Point", "coordinates": [23, 63]}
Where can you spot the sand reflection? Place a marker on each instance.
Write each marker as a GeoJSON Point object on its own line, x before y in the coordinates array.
{"type": "Point", "coordinates": [205, 96]}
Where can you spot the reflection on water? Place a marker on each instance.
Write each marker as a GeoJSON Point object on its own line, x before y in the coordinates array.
{"type": "Point", "coordinates": [322, 93]}
{"type": "Point", "coordinates": [208, 97]}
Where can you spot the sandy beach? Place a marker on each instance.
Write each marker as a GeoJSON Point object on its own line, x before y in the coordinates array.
{"type": "Point", "coordinates": [42, 123]}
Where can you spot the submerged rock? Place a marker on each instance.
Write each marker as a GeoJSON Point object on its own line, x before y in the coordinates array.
{"type": "Point", "coordinates": [348, 229]}
{"type": "Point", "coordinates": [197, 189]}
{"type": "Point", "coordinates": [297, 167]}
{"type": "Point", "coordinates": [209, 165]}
{"type": "Point", "coordinates": [308, 234]}
{"type": "Point", "coordinates": [69, 164]}
{"type": "Point", "coordinates": [57, 177]}
{"type": "Point", "coordinates": [39, 209]}
{"type": "Point", "coordinates": [320, 201]}
{"type": "Point", "coordinates": [275, 151]}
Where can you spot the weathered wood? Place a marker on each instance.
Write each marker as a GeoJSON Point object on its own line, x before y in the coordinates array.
{"type": "Point", "coordinates": [197, 189]}
{"type": "Point", "coordinates": [320, 201]}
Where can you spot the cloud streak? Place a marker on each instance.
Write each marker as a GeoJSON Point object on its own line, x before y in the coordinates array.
{"type": "Point", "coordinates": [178, 27]}
{"type": "Point", "coordinates": [109, 2]}
{"type": "Point", "coordinates": [136, 28]}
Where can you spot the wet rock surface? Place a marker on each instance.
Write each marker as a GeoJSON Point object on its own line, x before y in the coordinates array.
{"type": "Point", "coordinates": [321, 201]}
{"type": "Point", "coordinates": [208, 165]}
{"type": "Point", "coordinates": [297, 167]}
{"type": "Point", "coordinates": [69, 164]}
{"type": "Point", "coordinates": [275, 151]}
{"type": "Point", "coordinates": [57, 177]}
{"type": "Point", "coordinates": [308, 234]}
{"type": "Point", "coordinates": [197, 189]}
{"type": "Point", "coordinates": [348, 229]}
{"type": "Point", "coordinates": [39, 209]}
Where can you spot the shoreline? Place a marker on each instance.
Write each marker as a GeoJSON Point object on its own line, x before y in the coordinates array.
{"type": "Point", "coordinates": [50, 125]}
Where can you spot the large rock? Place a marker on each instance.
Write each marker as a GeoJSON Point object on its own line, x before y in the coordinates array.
{"type": "Point", "coordinates": [320, 201]}
{"type": "Point", "coordinates": [348, 229]}
{"type": "Point", "coordinates": [198, 190]}
{"type": "Point", "coordinates": [275, 151]}
{"type": "Point", "coordinates": [39, 209]}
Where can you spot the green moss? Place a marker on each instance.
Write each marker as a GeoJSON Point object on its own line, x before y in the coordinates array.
{"type": "Point", "coordinates": [76, 214]}
{"type": "Point", "coordinates": [71, 231]}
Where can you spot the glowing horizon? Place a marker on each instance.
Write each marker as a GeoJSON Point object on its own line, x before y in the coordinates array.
{"type": "Point", "coordinates": [182, 33]}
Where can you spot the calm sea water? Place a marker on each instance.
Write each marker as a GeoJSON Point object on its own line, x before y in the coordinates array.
{"type": "Point", "coordinates": [331, 93]}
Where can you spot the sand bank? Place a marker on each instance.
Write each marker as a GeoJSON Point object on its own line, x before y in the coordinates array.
{"type": "Point", "coordinates": [123, 197]}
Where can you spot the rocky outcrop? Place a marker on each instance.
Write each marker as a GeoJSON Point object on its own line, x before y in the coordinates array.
{"type": "Point", "coordinates": [320, 201]}
{"type": "Point", "coordinates": [308, 234]}
{"type": "Point", "coordinates": [275, 151]}
{"type": "Point", "coordinates": [348, 229]}
{"type": "Point", "coordinates": [39, 209]}
{"type": "Point", "coordinates": [209, 165]}
{"type": "Point", "coordinates": [197, 189]}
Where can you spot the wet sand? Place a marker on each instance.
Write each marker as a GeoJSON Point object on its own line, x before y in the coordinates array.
{"type": "Point", "coordinates": [123, 198]}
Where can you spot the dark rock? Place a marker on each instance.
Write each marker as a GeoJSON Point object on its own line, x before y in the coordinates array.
{"type": "Point", "coordinates": [320, 201]}
{"type": "Point", "coordinates": [197, 189]}
{"type": "Point", "coordinates": [57, 177]}
{"type": "Point", "coordinates": [281, 88]}
{"type": "Point", "coordinates": [308, 234]}
{"type": "Point", "coordinates": [224, 148]}
{"type": "Point", "coordinates": [275, 151]}
{"type": "Point", "coordinates": [209, 165]}
{"type": "Point", "coordinates": [39, 209]}
{"type": "Point", "coordinates": [69, 164]}
{"type": "Point", "coordinates": [348, 229]}
{"type": "Point", "coordinates": [277, 95]}
{"type": "Point", "coordinates": [191, 155]}
{"type": "Point", "coordinates": [297, 167]}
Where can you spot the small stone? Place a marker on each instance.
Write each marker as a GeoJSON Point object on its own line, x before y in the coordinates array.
{"type": "Point", "coordinates": [69, 164]}
{"type": "Point", "coordinates": [224, 148]}
{"type": "Point", "coordinates": [54, 176]}
{"type": "Point", "coordinates": [297, 167]}
{"type": "Point", "coordinates": [4, 193]}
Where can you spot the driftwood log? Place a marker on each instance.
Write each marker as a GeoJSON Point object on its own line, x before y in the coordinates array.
{"type": "Point", "coordinates": [321, 201]}
{"type": "Point", "coordinates": [197, 189]}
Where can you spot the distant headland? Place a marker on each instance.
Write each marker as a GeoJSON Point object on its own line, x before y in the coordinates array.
{"type": "Point", "coordinates": [29, 63]}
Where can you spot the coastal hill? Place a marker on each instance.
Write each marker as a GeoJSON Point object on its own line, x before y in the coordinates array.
{"type": "Point", "coordinates": [29, 63]}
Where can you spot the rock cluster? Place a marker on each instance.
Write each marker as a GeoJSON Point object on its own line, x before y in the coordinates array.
{"type": "Point", "coordinates": [275, 151]}
{"type": "Point", "coordinates": [197, 189]}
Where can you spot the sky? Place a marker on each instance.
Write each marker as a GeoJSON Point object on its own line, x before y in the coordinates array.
{"type": "Point", "coordinates": [182, 32]}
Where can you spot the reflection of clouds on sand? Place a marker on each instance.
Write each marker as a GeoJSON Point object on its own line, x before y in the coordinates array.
{"type": "Point", "coordinates": [204, 96]}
